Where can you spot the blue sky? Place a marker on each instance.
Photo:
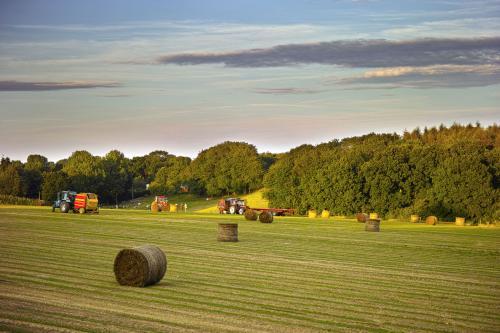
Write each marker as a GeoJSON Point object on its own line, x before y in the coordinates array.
{"type": "Point", "coordinates": [184, 75]}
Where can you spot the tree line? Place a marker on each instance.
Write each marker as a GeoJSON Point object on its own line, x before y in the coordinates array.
{"type": "Point", "coordinates": [438, 171]}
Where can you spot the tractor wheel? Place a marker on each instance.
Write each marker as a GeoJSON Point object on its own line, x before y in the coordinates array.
{"type": "Point", "coordinates": [232, 210]}
{"type": "Point", "coordinates": [81, 210]}
{"type": "Point", "coordinates": [241, 211]}
{"type": "Point", "coordinates": [64, 207]}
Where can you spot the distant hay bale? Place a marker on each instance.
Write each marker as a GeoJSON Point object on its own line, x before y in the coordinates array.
{"type": "Point", "coordinates": [250, 215]}
{"type": "Point", "coordinates": [415, 218]}
{"type": "Point", "coordinates": [460, 221]}
{"type": "Point", "coordinates": [154, 207]}
{"type": "Point", "coordinates": [373, 216]}
{"type": "Point", "coordinates": [140, 266]}
{"type": "Point", "coordinates": [227, 232]}
{"type": "Point", "coordinates": [361, 217]}
{"type": "Point", "coordinates": [372, 225]}
{"type": "Point", "coordinates": [312, 214]}
{"type": "Point", "coordinates": [432, 220]}
{"type": "Point", "coordinates": [266, 217]}
{"type": "Point", "coordinates": [325, 214]}
{"type": "Point", "coordinates": [173, 208]}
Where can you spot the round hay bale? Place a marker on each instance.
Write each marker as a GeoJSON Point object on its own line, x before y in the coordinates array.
{"type": "Point", "coordinates": [432, 220]}
{"type": "Point", "coordinates": [140, 266]}
{"type": "Point", "coordinates": [414, 218]}
{"type": "Point", "coordinates": [154, 207]}
{"type": "Point", "coordinates": [460, 221]}
{"type": "Point", "coordinates": [325, 214]}
{"type": "Point", "coordinates": [373, 216]}
{"type": "Point", "coordinates": [227, 232]}
{"type": "Point", "coordinates": [361, 217]}
{"type": "Point", "coordinates": [372, 225]}
{"type": "Point", "coordinates": [266, 217]}
{"type": "Point", "coordinates": [250, 215]}
{"type": "Point", "coordinates": [312, 214]}
{"type": "Point", "coordinates": [173, 208]}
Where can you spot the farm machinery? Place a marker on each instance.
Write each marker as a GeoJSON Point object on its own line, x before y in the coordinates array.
{"type": "Point", "coordinates": [77, 202]}
{"type": "Point", "coordinates": [239, 206]}
{"type": "Point", "coordinates": [160, 204]}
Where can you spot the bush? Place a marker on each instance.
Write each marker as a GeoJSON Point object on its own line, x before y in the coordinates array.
{"type": "Point", "coordinates": [13, 200]}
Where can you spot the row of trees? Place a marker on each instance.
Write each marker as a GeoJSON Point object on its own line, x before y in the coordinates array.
{"type": "Point", "coordinates": [445, 172]}
{"type": "Point", "coordinates": [442, 171]}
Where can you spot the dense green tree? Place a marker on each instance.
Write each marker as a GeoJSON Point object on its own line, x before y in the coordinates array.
{"type": "Point", "coordinates": [170, 177]}
{"type": "Point", "coordinates": [85, 172]}
{"type": "Point", "coordinates": [53, 182]}
{"type": "Point", "coordinates": [228, 167]}
{"type": "Point", "coordinates": [116, 176]}
{"type": "Point", "coordinates": [10, 179]}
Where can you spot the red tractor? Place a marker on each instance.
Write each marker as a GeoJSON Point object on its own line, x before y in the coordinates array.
{"type": "Point", "coordinates": [232, 206]}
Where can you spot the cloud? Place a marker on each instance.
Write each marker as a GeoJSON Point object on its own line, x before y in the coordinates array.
{"type": "Point", "coordinates": [443, 76]}
{"type": "Point", "coordinates": [286, 91]}
{"type": "Point", "coordinates": [355, 53]}
{"type": "Point", "coordinates": [45, 86]}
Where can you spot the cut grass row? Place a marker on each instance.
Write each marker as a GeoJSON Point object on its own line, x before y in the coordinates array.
{"type": "Point", "coordinates": [294, 275]}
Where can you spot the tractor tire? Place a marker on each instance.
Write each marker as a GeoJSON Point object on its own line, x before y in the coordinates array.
{"type": "Point", "coordinates": [232, 210]}
{"type": "Point", "coordinates": [81, 210]}
{"type": "Point", "coordinates": [64, 207]}
{"type": "Point", "coordinates": [241, 211]}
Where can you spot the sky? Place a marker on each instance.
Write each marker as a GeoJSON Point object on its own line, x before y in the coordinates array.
{"type": "Point", "coordinates": [185, 75]}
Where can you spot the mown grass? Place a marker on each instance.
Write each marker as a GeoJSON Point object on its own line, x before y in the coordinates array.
{"type": "Point", "coordinates": [295, 275]}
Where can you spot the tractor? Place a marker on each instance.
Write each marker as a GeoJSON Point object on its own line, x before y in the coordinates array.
{"type": "Point", "coordinates": [65, 201]}
{"type": "Point", "coordinates": [77, 202]}
{"type": "Point", "coordinates": [160, 204]}
{"type": "Point", "coordinates": [232, 206]}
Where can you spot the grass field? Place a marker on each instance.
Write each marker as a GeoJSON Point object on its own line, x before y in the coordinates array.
{"type": "Point", "coordinates": [295, 275]}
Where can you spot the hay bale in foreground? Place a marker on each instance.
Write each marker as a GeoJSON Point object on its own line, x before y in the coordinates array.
{"type": "Point", "coordinates": [266, 217]}
{"type": "Point", "coordinates": [325, 214]}
{"type": "Point", "coordinates": [432, 220]}
{"type": "Point", "coordinates": [140, 266]}
{"type": "Point", "coordinates": [372, 225]}
{"type": "Point", "coordinates": [414, 218]}
{"type": "Point", "coordinates": [361, 217]}
{"type": "Point", "coordinates": [250, 215]}
{"type": "Point", "coordinates": [227, 232]}
{"type": "Point", "coordinates": [460, 221]}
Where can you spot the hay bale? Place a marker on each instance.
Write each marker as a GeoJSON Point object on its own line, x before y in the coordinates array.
{"type": "Point", "coordinates": [140, 266]}
{"type": "Point", "coordinates": [154, 207]}
{"type": "Point", "coordinates": [414, 218]}
{"type": "Point", "coordinates": [325, 214]}
{"type": "Point", "coordinates": [373, 216]}
{"type": "Point", "coordinates": [372, 225]}
{"type": "Point", "coordinates": [173, 208]}
{"type": "Point", "coordinates": [266, 217]}
{"type": "Point", "coordinates": [312, 214]}
{"type": "Point", "coordinates": [460, 221]}
{"type": "Point", "coordinates": [250, 215]}
{"type": "Point", "coordinates": [432, 220]}
{"type": "Point", "coordinates": [227, 232]}
{"type": "Point", "coordinates": [361, 217]}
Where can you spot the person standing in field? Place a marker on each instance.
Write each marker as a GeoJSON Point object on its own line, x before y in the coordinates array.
{"type": "Point", "coordinates": [185, 207]}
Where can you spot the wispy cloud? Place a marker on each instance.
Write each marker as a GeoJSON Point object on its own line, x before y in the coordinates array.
{"type": "Point", "coordinates": [45, 86]}
{"type": "Point", "coordinates": [355, 53]}
{"type": "Point", "coordinates": [286, 91]}
{"type": "Point", "coordinates": [447, 76]}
